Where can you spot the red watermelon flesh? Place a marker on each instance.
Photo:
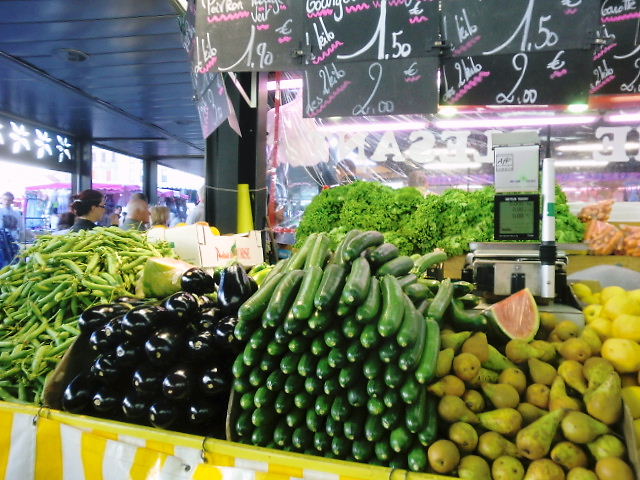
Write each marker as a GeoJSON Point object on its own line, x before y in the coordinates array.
{"type": "Point", "coordinates": [516, 316]}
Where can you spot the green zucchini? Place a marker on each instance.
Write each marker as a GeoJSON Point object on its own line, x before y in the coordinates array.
{"type": "Point", "coordinates": [289, 363]}
{"type": "Point", "coordinates": [430, 431]}
{"type": "Point", "coordinates": [441, 301]}
{"type": "Point", "coordinates": [295, 417]}
{"type": "Point", "coordinates": [357, 284]}
{"type": "Point", "coordinates": [373, 430]}
{"type": "Point", "coordinates": [376, 387]}
{"type": "Point", "coordinates": [314, 421]}
{"type": "Point", "coordinates": [269, 363]}
{"type": "Point", "coordinates": [368, 310]}
{"type": "Point", "coordinates": [392, 306]}
{"type": "Point", "coordinates": [426, 369]}
{"type": "Point", "coordinates": [389, 350]}
{"type": "Point", "coordinates": [359, 243]}
{"type": "Point", "coordinates": [383, 254]}
{"type": "Point", "coordinates": [400, 439]}
{"type": "Point", "coordinates": [321, 442]}
{"type": "Point", "coordinates": [410, 358]}
{"type": "Point", "coordinates": [417, 459]}
{"type": "Point", "coordinates": [282, 298]}
{"type": "Point", "coordinates": [372, 367]}
{"type": "Point", "coordinates": [351, 328]}
{"type": "Point", "coordinates": [353, 427]}
{"type": "Point", "coordinates": [275, 381]}
{"type": "Point", "coordinates": [341, 447]}
{"type": "Point", "coordinates": [393, 376]}
{"type": "Point", "coordinates": [319, 252]}
{"type": "Point", "coordinates": [469, 300]}
{"type": "Point", "coordinates": [322, 405]}
{"type": "Point", "coordinates": [375, 406]}
{"type": "Point", "coordinates": [397, 267]}
{"type": "Point", "coordinates": [294, 384]}
{"type": "Point", "coordinates": [301, 438]}
{"type": "Point", "coordinates": [357, 395]}
{"type": "Point", "coordinates": [390, 419]}
{"type": "Point", "coordinates": [337, 358]}
{"type": "Point", "coordinates": [282, 433]}
{"type": "Point", "coordinates": [303, 304]}
{"type": "Point", "coordinates": [407, 280]}
{"type": "Point", "coordinates": [356, 353]}
{"type": "Point", "coordinates": [340, 409]}
{"type": "Point", "coordinates": [330, 287]}
{"type": "Point", "coordinates": [313, 385]}
{"type": "Point", "coordinates": [338, 254]}
{"type": "Point", "coordinates": [361, 450]}
{"type": "Point", "coordinates": [331, 386]}
{"type": "Point", "coordinates": [306, 365]}
{"type": "Point", "coordinates": [410, 326]}
{"type": "Point", "coordinates": [428, 261]}
{"type": "Point", "coordinates": [318, 347]}
{"type": "Point", "coordinates": [464, 320]}
{"type": "Point", "coordinates": [418, 291]}
{"type": "Point", "coordinates": [383, 451]}
{"type": "Point", "coordinates": [283, 403]}
{"type": "Point", "coordinates": [410, 390]}
{"type": "Point", "coordinates": [349, 376]}
{"type": "Point", "coordinates": [461, 288]}
{"type": "Point", "coordinates": [255, 306]}
{"type": "Point", "coordinates": [319, 321]}
{"type": "Point", "coordinates": [243, 425]}
{"type": "Point", "coordinates": [416, 416]}
{"type": "Point", "coordinates": [370, 338]}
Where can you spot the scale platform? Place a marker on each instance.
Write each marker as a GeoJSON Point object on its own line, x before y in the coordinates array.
{"type": "Point", "coordinates": [501, 269]}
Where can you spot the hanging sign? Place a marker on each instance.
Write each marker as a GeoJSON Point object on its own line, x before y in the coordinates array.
{"type": "Point", "coordinates": [347, 31]}
{"type": "Point", "coordinates": [387, 87]}
{"type": "Point", "coordinates": [491, 27]}
{"type": "Point", "coordinates": [238, 35]}
{"type": "Point", "coordinates": [542, 78]}
{"type": "Point", "coordinates": [517, 168]}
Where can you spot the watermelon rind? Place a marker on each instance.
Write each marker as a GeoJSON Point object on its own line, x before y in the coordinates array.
{"type": "Point", "coordinates": [507, 316]}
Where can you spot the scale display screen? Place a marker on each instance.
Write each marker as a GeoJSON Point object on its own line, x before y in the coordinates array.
{"type": "Point", "coordinates": [517, 217]}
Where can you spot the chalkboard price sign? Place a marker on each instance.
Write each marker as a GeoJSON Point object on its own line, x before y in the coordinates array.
{"type": "Point", "coordinates": [357, 30]}
{"type": "Point", "coordinates": [541, 78]}
{"type": "Point", "coordinates": [386, 87]}
{"type": "Point", "coordinates": [256, 35]}
{"type": "Point", "coordinates": [490, 27]}
{"type": "Point", "coordinates": [616, 64]}
{"type": "Point", "coordinates": [213, 105]}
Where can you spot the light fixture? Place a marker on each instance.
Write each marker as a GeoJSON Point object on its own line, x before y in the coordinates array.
{"type": "Point", "coordinates": [447, 111]}
{"type": "Point", "coordinates": [288, 83]}
{"type": "Point", "coordinates": [452, 166]}
{"type": "Point", "coordinates": [623, 117]}
{"type": "Point", "coordinates": [580, 163]}
{"type": "Point", "coordinates": [515, 122]}
{"type": "Point", "coordinates": [594, 147]}
{"type": "Point", "coordinates": [371, 126]}
{"type": "Point", "coordinates": [577, 108]}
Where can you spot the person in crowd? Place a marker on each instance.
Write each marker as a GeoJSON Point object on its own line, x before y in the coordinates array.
{"type": "Point", "coordinates": [89, 207]}
{"type": "Point", "coordinates": [10, 218]}
{"type": "Point", "coordinates": [159, 216]}
{"type": "Point", "coordinates": [198, 214]}
{"type": "Point", "coordinates": [66, 220]}
{"type": "Point", "coordinates": [137, 213]}
{"type": "Point", "coordinates": [114, 218]}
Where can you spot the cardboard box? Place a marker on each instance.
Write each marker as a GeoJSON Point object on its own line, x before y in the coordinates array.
{"type": "Point", "coordinates": [196, 244]}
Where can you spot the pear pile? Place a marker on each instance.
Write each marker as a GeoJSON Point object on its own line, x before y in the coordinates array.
{"type": "Point", "coordinates": [549, 409]}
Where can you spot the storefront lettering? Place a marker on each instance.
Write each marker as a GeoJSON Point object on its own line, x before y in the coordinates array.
{"type": "Point", "coordinates": [625, 6]}
{"type": "Point", "coordinates": [613, 142]}
{"type": "Point", "coordinates": [214, 7]}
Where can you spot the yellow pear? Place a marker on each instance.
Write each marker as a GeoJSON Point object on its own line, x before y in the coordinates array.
{"type": "Point", "coordinates": [473, 467]}
{"type": "Point", "coordinates": [558, 398]}
{"type": "Point", "coordinates": [544, 469]}
{"type": "Point", "coordinates": [477, 345]}
{"type": "Point", "coordinates": [445, 361]}
{"type": "Point", "coordinates": [519, 351]}
{"type": "Point", "coordinates": [605, 402]}
{"type": "Point", "coordinates": [505, 421]}
{"type": "Point", "coordinates": [596, 370]}
{"type": "Point", "coordinates": [497, 361]}
{"type": "Point", "coordinates": [607, 446]}
{"type": "Point", "coordinates": [580, 473]}
{"type": "Point", "coordinates": [501, 395]}
{"type": "Point", "coordinates": [541, 372]}
{"type": "Point", "coordinates": [534, 440]}
{"type": "Point", "coordinates": [566, 330]}
{"type": "Point", "coordinates": [613, 468]}
{"type": "Point", "coordinates": [447, 385]}
{"type": "Point", "coordinates": [453, 340]}
{"type": "Point", "coordinates": [514, 377]}
{"type": "Point", "coordinates": [464, 436]}
{"type": "Point", "coordinates": [547, 350]}
{"type": "Point", "coordinates": [443, 456]}
{"type": "Point", "coordinates": [578, 427]}
{"type": "Point", "coordinates": [569, 455]}
{"type": "Point", "coordinates": [571, 373]}
{"type": "Point", "coordinates": [492, 445]}
{"type": "Point", "coordinates": [507, 468]}
{"type": "Point", "coordinates": [592, 338]}
{"type": "Point", "coordinates": [466, 366]}
{"type": "Point", "coordinates": [474, 400]}
{"type": "Point", "coordinates": [575, 349]}
{"type": "Point", "coordinates": [452, 409]}
{"type": "Point", "coordinates": [538, 395]}
{"type": "Point", "coordinates": [631, 396]}
{"type": "Point", "coordinates": [530, 413]}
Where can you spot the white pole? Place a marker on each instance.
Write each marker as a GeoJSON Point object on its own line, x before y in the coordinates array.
{"type": "Point", "coordinates": [548, 236]}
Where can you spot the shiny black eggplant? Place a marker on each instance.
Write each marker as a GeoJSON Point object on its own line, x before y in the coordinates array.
{"type": "Point", "coordinates": [129, 354]}
{"type": "Point", "coordinates": [106, 399]}
{"type": "Point", "coordinates": [201, 411]}
{"type": "Point", "coordinates": [141, 321]}
{"type": "Point", "coordinates": [100, 342]}
{"type": "Point", "coordinates": [147, 380]}
{"type": "Point", "coordinates": [78, 394]}
{"type": "Point", "coordinates": [113, 330]}
{"type": "Point", "coordinates": [97, 316]}
{"type": "Point", "coordinates": [213, 381]}
{"type": "Point", "coordinates": [197, 281]}
{"type": "Point", "coordinates": [183, 305]}
{"type": "Point", "coordinates": [178, 383]}
{"type": "Point", "coordinates": [207, 301]}
{"type": "Point", "coordinates": [164, 413]}
{"type": "Point", "coordinates": [134, 406]}
{"type": "Point", "coordinates": [105, 368]}
{"type": "Point", "coordinates": [235, 287]}
{"type": "Point", "coordinates": [223, 333]}
{"type": "Point", "coordinates": [164, 346]}
{"type": "Point", "coordinates": [201, 346]}
{"type": "Point", "coordinates": [132, 302]}
{"type": "Point", "coordinates": [209, 318]}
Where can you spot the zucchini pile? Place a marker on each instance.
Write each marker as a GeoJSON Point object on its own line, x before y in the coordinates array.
{"type": "Point", "coordinates": [339, 349]}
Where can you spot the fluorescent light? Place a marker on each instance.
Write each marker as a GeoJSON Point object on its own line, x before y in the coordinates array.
{"type": "Point", "coordinates": [581, 163]}
{"type": "Point", "coordinates": [452, 166]}
{"type": "Point", "coordinates": [594, 147]}
{"type": "Point", "coordinates": [577, 108]}
{"type": "Point", "coordinates": [515, 122]}
{"type": "Point", "coordinates": [371, 127]}
{"type": "Point", "coordinates": [289, 83]}
{"type": "Point", "coordinates": [447, 111]}
{"type": "Point", "coordinates": [623, 117]}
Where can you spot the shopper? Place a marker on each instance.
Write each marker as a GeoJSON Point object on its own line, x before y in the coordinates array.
{"type": "Point", "coordinates": [198, 214]}
{"type": "Point", "coordinates": [88, 206]}
{"type": "Point", "coordinates": [114, 218]}
{"type": "Point", "coordinates": [66, 220]}
{"type": "Point", "coordinates": [159, 216]}
{"type": "Point", "coordinates": [137, 213]}
{"type": "Point", "coordinates": [10, 218]}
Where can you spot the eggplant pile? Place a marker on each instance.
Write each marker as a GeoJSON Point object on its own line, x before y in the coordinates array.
{"type": "Point", "coordinates": [163, 363]}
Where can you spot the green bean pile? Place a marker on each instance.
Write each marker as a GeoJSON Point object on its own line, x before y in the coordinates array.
{"type": "Point", "coordinates": [53, 281]}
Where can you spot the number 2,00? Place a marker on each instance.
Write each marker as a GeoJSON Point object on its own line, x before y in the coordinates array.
{"type": "Point", "coordinates": [528, 95]}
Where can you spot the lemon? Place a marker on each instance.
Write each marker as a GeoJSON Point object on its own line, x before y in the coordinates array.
{"type": "Point", "coordinates": [619, 305]}
{"type": "Point", "coordinates": [581, 290]}
{"type": "Point", "coordinates": [623, 354]}
{"type": "Point", "coordinates": [626, 326]}
{"type": "Point", "coordinates": [634, 295]}
{"type": "Point", "coordinates": [602, 326]}
{"type": "Point", "coordinates": [591, 312]}
{"type": "Point", "coordinates": [610, 292]}
{"type": "Point", "coordinates": [631, 396]}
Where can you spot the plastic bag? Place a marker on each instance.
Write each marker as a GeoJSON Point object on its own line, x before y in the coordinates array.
{"type": "Point", "coordinates": [630, 244]}
{"type": "Point", "coordinates": [602, 238]}
{"type": "Point", "coordinates": [598, 211]}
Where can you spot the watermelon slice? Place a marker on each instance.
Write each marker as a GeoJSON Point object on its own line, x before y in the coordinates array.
{"type": "Point", "coordinates": [516, 316]}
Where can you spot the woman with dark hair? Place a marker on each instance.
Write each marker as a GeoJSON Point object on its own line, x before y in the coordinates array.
{"type": "Point", "coordinates": [88, 207]}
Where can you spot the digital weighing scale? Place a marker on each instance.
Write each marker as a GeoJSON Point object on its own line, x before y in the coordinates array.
{"type": "Point", "coordinates": [524, 209]}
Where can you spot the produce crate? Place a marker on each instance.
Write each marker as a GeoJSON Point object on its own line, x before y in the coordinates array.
{"type": "Point", "coordinates": [38, 443]}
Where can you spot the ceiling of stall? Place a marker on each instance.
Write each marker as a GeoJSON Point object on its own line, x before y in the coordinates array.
{"type": "Point", "coordinates": [133, 92]}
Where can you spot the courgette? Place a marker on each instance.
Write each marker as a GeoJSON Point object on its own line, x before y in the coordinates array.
{"type": "Point", "coordinates": [397, 267]}
{"type": "Point", "coordinates": [383, 254]}
{"type": "Point", "coordinates": [319, 321]}
{"type": "Point", "coordinates": [357, 395]}
{"type": "Point", "coordinates": [361, 450]}
{"type": "Point", "coordinates": [293, 384]}
{"type": "Point", "coordinates": [354, 426]}
{"type": "Point", "coordinates": [417, 459]}
{"type": "Point", "coordinates": [430, 431]}
{"type": "Point", "coordinates": [319, 252]}
{"type": "Point", "coordinates": [393, 376]}
{"type": "Point", "coordinates": [441, 301]}
{"type": "Point", "coordinates": [314, 421]}
{"type": "Point", "coordinates": [330, 287]}
{"type": "Point", "coordinates": [303, 304]}
{"type": "Point", "coordinates": [370, 338]}
{"type": "Point", "coordinates": [410, 358]}
{"type": "Point", "coordinates": [368, 310]}
{"type": "Point", "coordinates": [321, 441]}
{"type": "Point", "coordinates": [410, 326]}
{"type": "Point", "coordinates": [322, 405]}
{"type": "Point", "coordinates": [392, 306]}
{"type": "Point", "coordinates": [390, 419]}
{"type": "Point", "coordinates": [282, 298]}
{"type": "Point", "coordinates": [283, 403]}
{"type": "Point", "coordinates": [359, 243]}
{"type": "Point", "coordinates": [298, 259]}
{"type": "Point", "coordinates": [389, 350]}
{"type": "Point", "coordinates": [372, 367]}
{"type": "Point", "coordinates": [373, 430]}
{"type": "Point", "coordinates": [282, 433]}
{"type": "Point", "coordinates": [338, 254]}
{"type": "Point", "coordinates": [400, 440]}
{"type": "Point", "coordinates": [416, 416]}
{"type": "Point", "coordinates": [464, 320]}
{"type": "Point", "coordinates": [426, 370]}
{"type": "Point", "coordinates": [255, 306]}
{"type": "Point", "coordinates": [340, 409]}
{"type": "Point", "coordinates": [427, 261]}
{"type": "Point", "coordinates": [331, 386]}
{"type": "Point", "coordinates": [418, 292]}
{"type": "Point", "coordinates": [376, 388]}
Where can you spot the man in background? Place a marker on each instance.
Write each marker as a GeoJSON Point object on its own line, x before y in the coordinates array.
{"type": "Point", "coordinates": [10, 218]}
{"type": "Point", "coordinates": [137, 213]}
